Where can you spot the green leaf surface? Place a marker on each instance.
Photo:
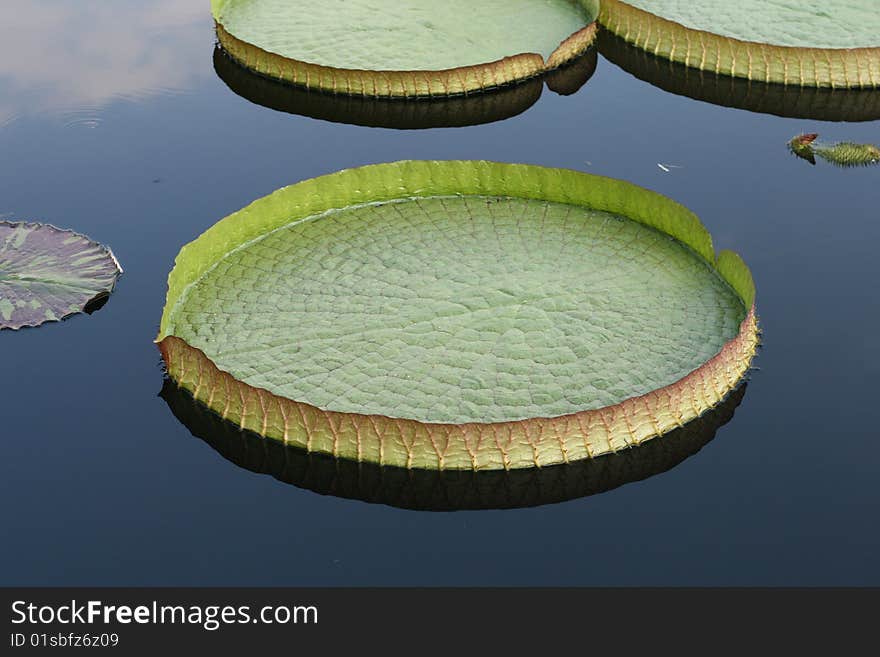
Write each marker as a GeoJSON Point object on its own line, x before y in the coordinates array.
{"type": "Point", "coordinates": [457, 308]}
{"type": "Point", "coordinates": [798, 23]}
{"type": "Point", "coordinates": [47, 273]}
{"type": "Point", "coordinates": [402, 35]}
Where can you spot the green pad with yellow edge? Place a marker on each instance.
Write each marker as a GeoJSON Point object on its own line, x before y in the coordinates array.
{"type": "Point", "coordinates": [459, 315]}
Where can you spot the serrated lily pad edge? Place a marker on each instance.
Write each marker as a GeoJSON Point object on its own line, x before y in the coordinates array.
{"type": "Point", "coordinates": [102, 293]}
{"type": "Point", "coordinates": [403, 84]}
{"type": "Point", "coordinates": [471, 446]}
{"type": "Point", "coordinates": [809, 67]}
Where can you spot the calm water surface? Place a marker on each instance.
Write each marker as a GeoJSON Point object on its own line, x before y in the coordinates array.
{"type": "Point", "coordinates": [114, 122]}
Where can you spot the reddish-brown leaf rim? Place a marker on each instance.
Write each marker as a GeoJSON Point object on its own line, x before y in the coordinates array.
{"type": "Point", "coordinates": [404, 84]}
{"type": "Point", "coordinates": [403, 114]}
{"type": "Point", "coordinates": [446, 490]}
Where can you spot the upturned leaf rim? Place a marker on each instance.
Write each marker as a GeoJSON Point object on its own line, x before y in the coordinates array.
{"type": "Point", "coordinates": [845, 68]}
{"type": "Point", "coordinates": [410, 443]}
{"type": "Point", "coordinates": [403, 83]}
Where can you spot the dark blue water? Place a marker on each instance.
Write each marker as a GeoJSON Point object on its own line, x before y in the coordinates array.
{"type": "Point", "coordinates": [101, 484]}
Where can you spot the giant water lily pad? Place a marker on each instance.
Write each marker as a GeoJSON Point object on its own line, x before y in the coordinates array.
{"type": "Point", "coordinates": [435, 490]}
{"type": "Point", "coordinates": [404, 48]}
{"type": "Point", "coordinates": [47, 274]}
{"type": "Point", "coordinates": [459, 315]}
{"type": "Point", "coordinates": [822, 43]}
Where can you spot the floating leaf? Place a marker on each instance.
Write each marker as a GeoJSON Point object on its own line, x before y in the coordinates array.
{"type": "Point", "coordinates": [47, 274]}
{"type": "Point", "coordinates": [459, 315]}
{"type": "Point", "coordinates": [843, 154]}
{"type": "Point", "coordinates": [434, 490]}
{"type": "Point", "coordinates": [404, 48]}
{"type": "Point", "coordinates": [821, 43]}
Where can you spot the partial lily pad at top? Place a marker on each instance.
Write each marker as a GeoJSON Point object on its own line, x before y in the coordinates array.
{"type": "Point", "coordinates": [47, 274]}
{"type": "Point", "coordinates": [459, 315]}
{"type": "Point", "coordinates": [404, 48]}
{"type": "Point", "coordinates": [822, 43]}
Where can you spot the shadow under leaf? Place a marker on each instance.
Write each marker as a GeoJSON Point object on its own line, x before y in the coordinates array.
{"type": "Point", "coordinates": [816, 103]}
{"type": "Point", "coordinates": [403, 114]}
{"type": "Point", "coordinates": [448, 490]}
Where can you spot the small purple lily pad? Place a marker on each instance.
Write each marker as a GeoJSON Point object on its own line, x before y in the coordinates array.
{"type": "Point", "coordinates": [47, 274]}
